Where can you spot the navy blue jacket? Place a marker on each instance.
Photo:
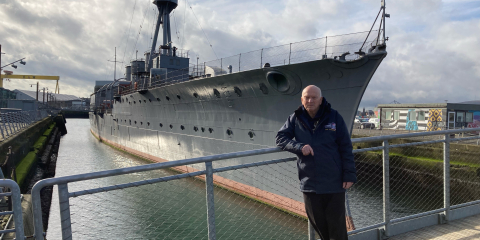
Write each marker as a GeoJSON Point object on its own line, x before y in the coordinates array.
{"type": "Point", "coordinates": [327, 134]}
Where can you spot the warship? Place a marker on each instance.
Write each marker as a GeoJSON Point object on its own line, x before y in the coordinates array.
{"type": "Point", "coordinates": [168, 109]}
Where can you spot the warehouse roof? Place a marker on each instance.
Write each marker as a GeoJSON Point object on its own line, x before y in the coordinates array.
{"type": "Point", "coordinates": [58, 97]}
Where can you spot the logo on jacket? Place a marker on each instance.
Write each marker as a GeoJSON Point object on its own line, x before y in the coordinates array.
{"type": "Point", "coordinates": [331, 126]}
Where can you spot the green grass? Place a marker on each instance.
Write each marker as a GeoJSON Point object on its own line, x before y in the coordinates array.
{"type": "Point", "coordinates": [25, 166]}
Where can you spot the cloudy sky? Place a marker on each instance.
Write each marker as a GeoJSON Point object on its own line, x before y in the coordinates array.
{"type": "Point", "coordinates": [433, 46]}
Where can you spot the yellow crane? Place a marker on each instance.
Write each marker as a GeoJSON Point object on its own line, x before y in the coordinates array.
{"type": "Point", "coordinates": [32, 77]}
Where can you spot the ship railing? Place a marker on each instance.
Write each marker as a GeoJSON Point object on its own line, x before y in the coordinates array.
{"type": "Point", "coordinates": [10, 194]}
{"type": "Point", "coordinates": [403, 184]}
{"type": "Point", "coordinates": [13, 122]}
{"type": "Point", "coordinates": [346, 47]}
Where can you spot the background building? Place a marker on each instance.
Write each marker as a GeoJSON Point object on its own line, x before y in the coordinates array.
{"type": "Point", "coordinates": [430, 116]}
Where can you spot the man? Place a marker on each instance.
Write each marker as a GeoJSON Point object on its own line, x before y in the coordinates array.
{"type": "Point", "coordinates": [325, 161]}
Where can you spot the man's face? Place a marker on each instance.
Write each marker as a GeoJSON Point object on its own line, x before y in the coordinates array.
{"type": "Point", "coordinates": [311, 99]}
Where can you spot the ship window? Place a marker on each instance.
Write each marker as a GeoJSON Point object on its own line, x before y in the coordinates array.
{"type": "Point", "coordinates": [469, 117]}
{"type": "Point", "coordinates": [396, 115]}
{"type": "Point", "coordinates": [210, 130]}
{"type": "Point", "coordinates": [161, 125]}
{"type": "Point", "coordinates": [171, 61]}
{"type": "Point", "coordinates": [229, 132]}
{"type": "Point", "coordinates": [158, 99]}
{"type": "Point", "coordinates": [203, 129]}
{"type": "Point", "coordinates": [195, 129]}
{"type": "Point", "coordinates": [421, 116]}
{"type": "Point", "coordinates": [141, 123]}
{"type": "Point", "coordinates": [178, 62]}
{"type": "Point", "coordinates": [182, 127]}
{"type": "Point", "coordinates": [148, 123]}
{"type": "Point", "coordinates": [135, 122]}
{"type": "Point", "coordinates": [171, 126]}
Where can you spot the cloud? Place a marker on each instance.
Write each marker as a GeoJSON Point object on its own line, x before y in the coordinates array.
{"type": "Point", "coordinates": [432, 49]}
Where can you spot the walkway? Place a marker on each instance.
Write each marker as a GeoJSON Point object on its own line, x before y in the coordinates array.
{"type": "Point", "coordinates": [464, 229]}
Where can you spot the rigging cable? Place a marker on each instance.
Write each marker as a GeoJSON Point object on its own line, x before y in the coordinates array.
{"type": "Point", "coordinates": [139, 31]}
{"type": "Point", "coordinates": [184, 22]}
{"type": "Point", "coordinates": [128, 37]}
{"type": "Point", "coordinates": [211, 46]}
{"type": "Point", "coordinates": [175, 23]}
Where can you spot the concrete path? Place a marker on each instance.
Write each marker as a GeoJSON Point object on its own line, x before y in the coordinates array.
{"type": "Point", "coordinates": [464, 229]}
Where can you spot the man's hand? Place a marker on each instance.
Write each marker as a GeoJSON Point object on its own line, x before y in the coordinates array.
{"type": "Point", "coordinates": [347, 185]}
{"type": "Point", "coordinates": [307, 150]}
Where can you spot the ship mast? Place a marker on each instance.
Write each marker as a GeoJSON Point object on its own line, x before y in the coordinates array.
{"type": "Point", "coordinates": [165, 7]}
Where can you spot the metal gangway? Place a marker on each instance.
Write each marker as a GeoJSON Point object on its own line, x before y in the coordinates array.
{"type": "Point", "coordinates": [441, 186]}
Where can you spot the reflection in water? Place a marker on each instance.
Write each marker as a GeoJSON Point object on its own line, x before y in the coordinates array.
{"type": "Point", "coordinates": [169, 210]}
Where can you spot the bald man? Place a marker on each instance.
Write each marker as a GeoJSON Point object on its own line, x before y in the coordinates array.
{"type": "Point", "coordinates": [317, 134]}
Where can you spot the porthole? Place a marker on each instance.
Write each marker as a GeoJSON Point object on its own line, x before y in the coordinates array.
{"type": "Point", "coordinates": [135, 122]}
{"type": "Point", "coordinates": [182, 127]}
{"type": "Point", "coordinates": [263, 88]}
{"type": "Point", "coordinates": [178, 96]}
{"type": "Point", "coordinates": [161, 125]}
{"type": "Point", "coordinates": [238, 91]}
{"type": "Point", "coordinates": [158, 99]}
{"type": "Point", "coordinates": [216, 93]}
{"type": "Point", "coordinates": [134, 102]}
{"type": "Point", "coordinates": [229, 132]}
{"type": "Point", "coordinates": [148, 123]}
{"type": "Point", "coordinates": [150, 100]}
{"type": "Point", "coordinates": [144, 101]}
{"type": "Point", "coordinates": [195, 129]}
{"type": "Point", "coordinates": [141, 123]}
{"type": "Point", "coordinates": [195, 95]}
{"type": "Point", "coordinates": [171, 126]}
{"type": "Point", "coordinates": [203, 129]}
{"type": "Point", "coordinates": [168, 98]}
{"type": "Point", "coordinates": [210, 130]}
{"type": "Point", "coordinates": [239, 119]}
{"type": "Point", "coordinates": [140, 101]}
{"type": "Point", "coordinates": [130, 121]}
{"type": "Point", "coordinates": [251, 134]}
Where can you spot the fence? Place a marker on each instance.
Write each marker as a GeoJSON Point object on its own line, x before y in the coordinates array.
{"type": "Point", "coordinates": [347, 47]}
{"type": "Point", "coordinates": [399, 181]}
{"type": "Point", "coordinates": [9, 188]}
{"type": "Point", "coordinates": [13, 122]}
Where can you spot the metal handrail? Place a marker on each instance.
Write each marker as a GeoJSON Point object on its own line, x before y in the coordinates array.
{"type": "Point", "coordinates": [64, 195]}
{"type": "Point", "coordinates": [16, 208]}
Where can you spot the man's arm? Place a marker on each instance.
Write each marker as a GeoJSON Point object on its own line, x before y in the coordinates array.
{"type": "Point", "coordinates": [285, 135]}
{"type": "Point", "coordinates": [345, 148]}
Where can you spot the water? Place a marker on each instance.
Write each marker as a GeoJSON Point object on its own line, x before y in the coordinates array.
{"type": "Point", "coordinates": [177, 209]}
{"type": "Point", "coordinates": [169, 210]}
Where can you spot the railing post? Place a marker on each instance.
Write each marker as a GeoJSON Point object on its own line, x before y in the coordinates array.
{"type": "Point", "coordinates": [290, 54]}
{"type": "Point", "coordinates": [261, 58]}
{"type": "Point", "coordinates": [221, 65]}
{"type": "Point", "coordinates": [64, 211]}
{"type": "Point", "coordinates": [239, 58]}
{"type": "Point", "coordinates": [210, 201]}
{"type": "Point", "coordinates": [386, 187]}
{"type": "Point", "coordinates": [17, 211]}
{"type": "Point", "coordinates": [446, 176]}
{"type": "Point", "coordinates": [311, 231]}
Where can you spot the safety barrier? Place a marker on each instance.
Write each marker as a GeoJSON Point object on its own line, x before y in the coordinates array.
{"type": "Point", "coordinates": [10, 189]}
{"type": "Point", "coordinates": [13, 122]}
{"type": "Point", "coordinates": [402, 185]}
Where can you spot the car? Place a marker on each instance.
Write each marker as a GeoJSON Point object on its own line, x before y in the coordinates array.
{"type": "Point", "coordinates": [363, 123]}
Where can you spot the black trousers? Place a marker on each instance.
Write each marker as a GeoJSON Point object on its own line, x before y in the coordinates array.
{"type": "Point", "coordinates": [326, 212]}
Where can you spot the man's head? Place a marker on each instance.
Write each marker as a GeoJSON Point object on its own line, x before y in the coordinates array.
{"type": "Point", "coordinates": [312, 99]}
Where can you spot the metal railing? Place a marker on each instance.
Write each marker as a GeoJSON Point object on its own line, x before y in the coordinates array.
{"type": "Point", "coordinates": [394, 173]}
{"type": "Point", "coordinates": [340, 47]}
{"type": "Point", "coordinates": [13, 122]}
{"type": "Point", "coordinates": [9, 188]}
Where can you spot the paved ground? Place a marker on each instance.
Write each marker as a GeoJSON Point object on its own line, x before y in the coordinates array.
{"type": "Point", "coordinates": [464, 229]}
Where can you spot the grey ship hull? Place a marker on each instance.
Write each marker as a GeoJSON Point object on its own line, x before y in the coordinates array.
{"type": "Point", "coordinates": [155, 128]}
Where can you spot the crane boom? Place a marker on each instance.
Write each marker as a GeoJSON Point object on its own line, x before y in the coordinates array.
{"type": "Point", "coordinates": [37, 77]}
